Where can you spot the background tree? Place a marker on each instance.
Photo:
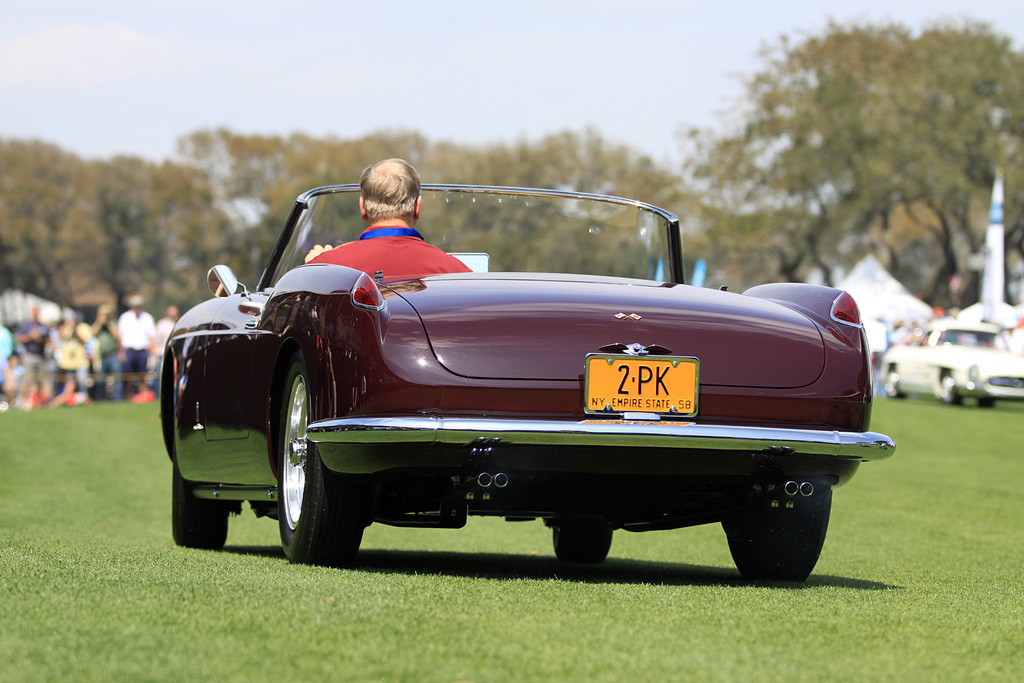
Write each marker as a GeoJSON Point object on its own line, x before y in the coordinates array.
{"type": "Point", "coordinates": [40, 211]}
{"type": "Point", "coordinates": [866, 139]}
{"type": "Point", "coordinates": [80, 232]}
{"type": "Point", "coordinates": [155, 230]}
{"type": "Point", "coordinates": [255, 179]}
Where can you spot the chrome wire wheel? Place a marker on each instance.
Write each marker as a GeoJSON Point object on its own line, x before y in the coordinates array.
{"type": "Point", "coordinates": [321, 514]}
{"type": "Point", "coordinates": [293, 474]}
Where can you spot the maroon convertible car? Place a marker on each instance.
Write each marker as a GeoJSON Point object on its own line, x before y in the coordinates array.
{"type": "Point", "coordinates": [572, 377]}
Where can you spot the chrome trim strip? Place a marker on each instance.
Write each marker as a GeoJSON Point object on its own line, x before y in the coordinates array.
{"type": "Point", "coordinates": [459, 431]}
{"type": "Point", "coordinates": [234, 492]}
{"type": "Point", "coordinates": [668, 216]}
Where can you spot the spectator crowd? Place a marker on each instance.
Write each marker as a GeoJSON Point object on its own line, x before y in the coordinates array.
{"type": "Point", "coordinates": [71, 361]}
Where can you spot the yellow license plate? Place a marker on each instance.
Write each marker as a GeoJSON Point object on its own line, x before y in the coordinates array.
{"type": "Point", "coordinates": [647, 384]}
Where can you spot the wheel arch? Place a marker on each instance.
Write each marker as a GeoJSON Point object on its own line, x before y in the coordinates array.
{"type": "Point", "coordinates": [168, 378]}
{"type": "Point", "coordinates": [289, 348]}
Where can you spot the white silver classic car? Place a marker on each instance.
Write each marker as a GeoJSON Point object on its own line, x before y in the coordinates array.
{"type": "Point", "coordinates": [953, 360]}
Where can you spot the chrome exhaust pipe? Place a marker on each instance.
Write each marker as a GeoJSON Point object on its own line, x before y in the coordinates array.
{"type": "Point", "coordinates": [792, 488]}
{"type": "Point", "coordinates": [486, 480]}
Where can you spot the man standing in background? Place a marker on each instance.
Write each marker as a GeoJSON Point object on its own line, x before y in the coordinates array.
{"type": "Point", "coordinates": [137, 331]}
{"type": "Point", "coordinates": [34, 337]}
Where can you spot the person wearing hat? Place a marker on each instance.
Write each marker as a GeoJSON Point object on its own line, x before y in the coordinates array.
{"type": "Point", "coordinates": [137, 329]}
{"type": "Point", "coordinates": [73, 362]}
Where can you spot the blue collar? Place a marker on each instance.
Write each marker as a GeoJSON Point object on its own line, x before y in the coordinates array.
{"type": "Point", "coordinates": [389, 231]}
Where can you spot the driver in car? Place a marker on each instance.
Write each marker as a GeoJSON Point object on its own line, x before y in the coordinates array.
{"type": "Point", "coordinates": [390, 245]}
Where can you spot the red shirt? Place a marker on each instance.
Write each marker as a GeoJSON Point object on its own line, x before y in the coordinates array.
{"type": "Point", "coordinates": [401, 258]}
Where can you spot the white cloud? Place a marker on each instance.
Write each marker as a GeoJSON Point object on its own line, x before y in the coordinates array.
{"type": "Point", "coordinates": [84, 56]}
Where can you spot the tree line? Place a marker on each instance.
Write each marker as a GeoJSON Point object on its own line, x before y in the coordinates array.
{"type": "Point", "coordinates": [871, 139]}
{"type": "Point", "coordinates": [863, 139]}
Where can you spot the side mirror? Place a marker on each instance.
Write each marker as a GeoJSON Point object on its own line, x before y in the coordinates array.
{"type": "Point", "coordinates": [222, 281]}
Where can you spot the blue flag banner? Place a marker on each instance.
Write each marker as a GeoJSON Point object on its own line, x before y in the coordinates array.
{"type": "Point", "coordinates": [993, 279]}
{"type": "Point", "coordinates": [700, 273]}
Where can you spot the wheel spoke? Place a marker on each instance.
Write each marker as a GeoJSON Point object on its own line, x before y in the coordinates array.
{"type": "Point", "coordinates": [294, 463]}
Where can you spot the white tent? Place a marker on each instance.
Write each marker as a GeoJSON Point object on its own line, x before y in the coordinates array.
{"type": "Point", "coordinates": [1005, 314]}
{"type": "Point", "coordinates": [880, 296]}
{"type": "Point", "coordinates": [16, 307]}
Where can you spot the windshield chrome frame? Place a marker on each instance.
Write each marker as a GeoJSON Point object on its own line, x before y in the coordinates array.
{"type": "Point", "coordinates": [303, 200]}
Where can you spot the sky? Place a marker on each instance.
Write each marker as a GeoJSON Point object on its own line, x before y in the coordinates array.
{"type": "Point", "coordinates": [108, 77]}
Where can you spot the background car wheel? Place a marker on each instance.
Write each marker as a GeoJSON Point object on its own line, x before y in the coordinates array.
{"type": "Point", "coordinates": [321, 515]}
{"type": "Point", "coordinates": [196, 522]}
{"type": "Point", "coordinates": [947, 391]}
{"type": "Point", "coordinates": [581, 539]}
{"type": "Point", "coordinates": [892, 383]}
{"type": "Point", "coordinates": [780, 543]}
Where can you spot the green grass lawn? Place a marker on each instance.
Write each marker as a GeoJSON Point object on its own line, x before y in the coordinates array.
{"type": "Point", "coordinates": [921, 578]}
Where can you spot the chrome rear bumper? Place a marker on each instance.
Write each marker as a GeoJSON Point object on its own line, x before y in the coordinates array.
{"type": "Point", "coordinates": [460, 431]}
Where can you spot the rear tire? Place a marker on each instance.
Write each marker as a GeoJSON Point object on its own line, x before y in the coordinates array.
{"type": "Point", "coordinates": [320, 514]}
{"type": "Point", "coordinates": [196, 522]}
{"type": "Point", "coordinates": [586, 540]}
{"type": "Point", "coordinates": [780, 543]}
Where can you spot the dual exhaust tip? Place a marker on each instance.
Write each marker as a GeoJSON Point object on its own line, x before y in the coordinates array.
{"type": "Point", "coordinates": [486, 480]}
{"type": "Point", "coordinates": [792, 488]}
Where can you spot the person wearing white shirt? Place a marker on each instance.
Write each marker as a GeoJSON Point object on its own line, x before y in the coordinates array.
{"type": "Point", "coordinates": [137, 330]}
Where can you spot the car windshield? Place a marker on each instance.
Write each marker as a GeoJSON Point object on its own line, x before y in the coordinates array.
{"type": "Point", "coordinates": [968, 338]}
{"type": "Point", "coordinates": [505, 230]}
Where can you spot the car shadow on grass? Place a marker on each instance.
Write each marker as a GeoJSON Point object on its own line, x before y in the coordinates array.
{"type": "Point", "coordinates": [612, 570]}
{"type": "Point", "coordinates": [545, 568]}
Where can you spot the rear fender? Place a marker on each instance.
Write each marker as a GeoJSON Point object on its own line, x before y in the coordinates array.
{"type": "Point", "coordinates": [311, 311]}
{"type": "Point", "coordinates": [816, 303]}
{"type": "Point", "coordinates": [848, 368]}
